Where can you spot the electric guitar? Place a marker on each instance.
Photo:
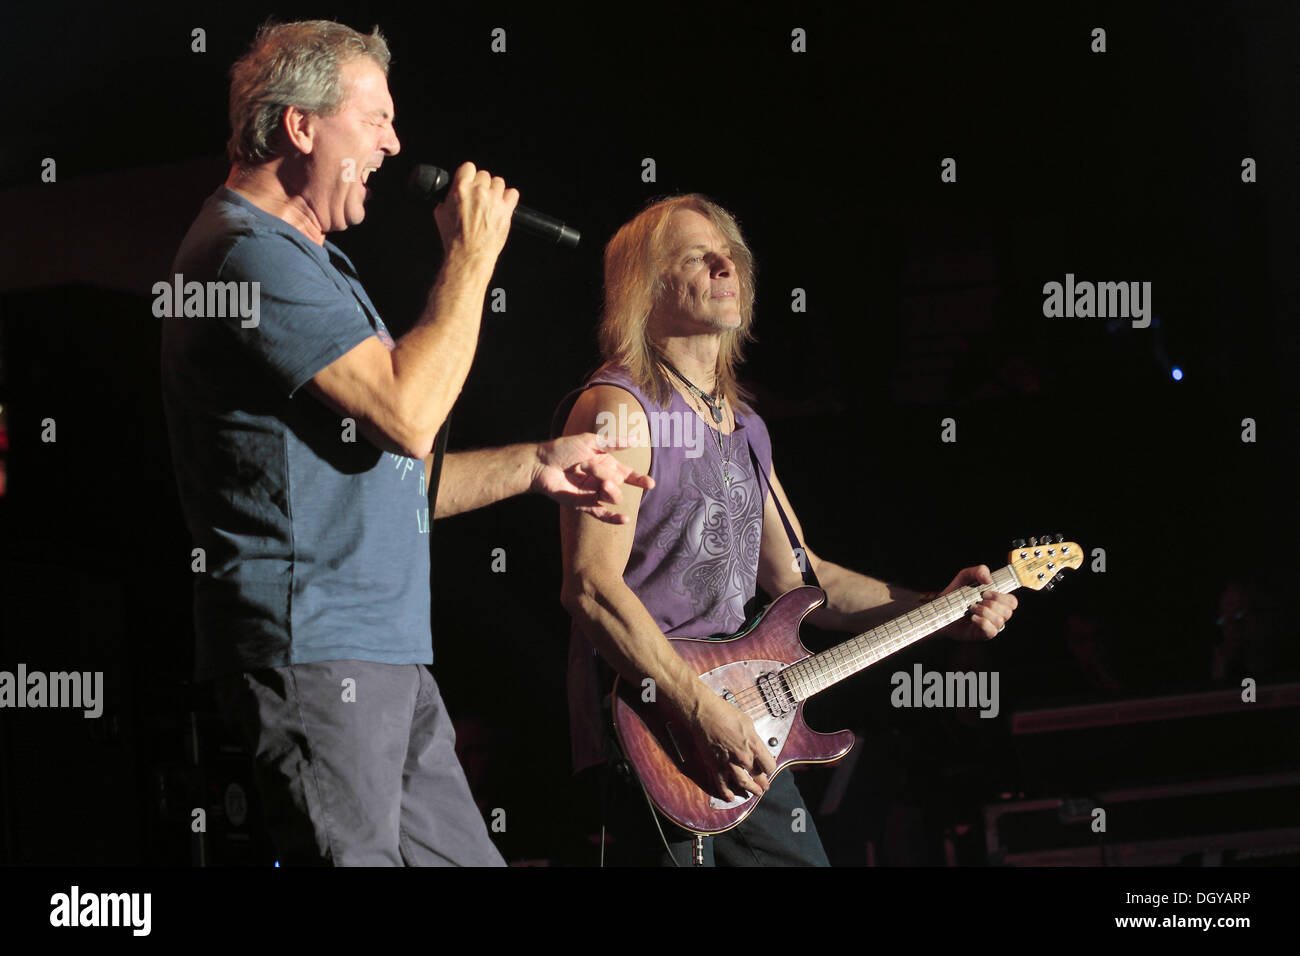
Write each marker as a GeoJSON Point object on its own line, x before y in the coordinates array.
{"type": "Point", "coordinates": [767, 672]}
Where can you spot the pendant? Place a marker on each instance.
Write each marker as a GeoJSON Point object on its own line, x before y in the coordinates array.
{"type": "Point", "coordinates": [726, 475]}
{"type": "Point", "coordinates": [717, 414]}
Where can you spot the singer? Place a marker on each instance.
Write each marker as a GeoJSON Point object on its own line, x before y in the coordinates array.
{"type": "Point", "coordinates": [679, 300]}
{"type": "Point", "coordinates": [303, 452]}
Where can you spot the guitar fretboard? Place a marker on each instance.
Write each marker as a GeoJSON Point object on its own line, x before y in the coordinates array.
{"type": "Point", "coordinates": [814, 674]}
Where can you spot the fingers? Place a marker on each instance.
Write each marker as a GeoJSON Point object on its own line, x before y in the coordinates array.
{"type": "Point", "coordinates": [590, 497]}
{"type": "Point", "coordinates": [604, 514]}
{"type": "Point", "coordinates": [753, 779]}
{"type": "Point", "coordinates": [609, 492]}
{"type": "Point", "coordinates": [1006, 601]}
{"type": "Point", "coordinates": [988, 630]}
{"type": "Point", "coordinates": [992, 613]}
{"type": "Point", "coordinates": [469, 178]}
{"type": "Point", "coordinates": [477, 211]}
{"type": "Point", "coordinates": [610, 470]}
{"type": "Point", "coordinates": [994, 610]}
{"type": "Point", "coordinates": [753, 770]}
{"type": "Point", "coordinates": [575, 471]}
{"type": "Point", "coordinates": [614, 471]}
{"type": "Point", "coordinates": [464, 171]}
{"type": "Point", "coordinates": [763, 761]}
{"type": "Point", "coordinates": [743, 781]}
{"type": "Point", "coordinates": [596, 490]}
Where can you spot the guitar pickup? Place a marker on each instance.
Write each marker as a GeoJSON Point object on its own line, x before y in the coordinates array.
{"type": "Point", "coordinates": [775, 694]}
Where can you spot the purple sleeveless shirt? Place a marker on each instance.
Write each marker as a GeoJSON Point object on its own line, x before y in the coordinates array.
{"type": "Point", "coordinates": [694, 560]}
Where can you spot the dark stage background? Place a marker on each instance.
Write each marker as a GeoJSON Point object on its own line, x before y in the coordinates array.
{"type": "Point", "coordinates": [924, 302]}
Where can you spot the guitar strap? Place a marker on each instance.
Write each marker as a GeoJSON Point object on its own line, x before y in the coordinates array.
{"type": "Point", "coordinates": [435, 476]}
{"type": "Point", "coordinates": [805, 566]}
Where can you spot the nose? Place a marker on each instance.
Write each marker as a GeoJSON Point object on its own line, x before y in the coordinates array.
{"type": "Point", "coordinates": [723, 265]}
{"type": "Point", "coordinates": [391, 145]}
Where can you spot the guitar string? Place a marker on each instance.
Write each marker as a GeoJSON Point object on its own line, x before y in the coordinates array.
{"type": "Point", "coordinates": [843, 661]}
{"type": "Point", "coordinates": [837, 663]}
{"type": "Point", "coordinates": [872, 646]}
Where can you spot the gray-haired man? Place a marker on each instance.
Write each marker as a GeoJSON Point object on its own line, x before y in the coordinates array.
{"type": "Point", "coordinates": [302, 445]}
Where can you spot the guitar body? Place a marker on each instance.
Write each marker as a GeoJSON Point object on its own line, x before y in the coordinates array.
{"type": "Point", "coordinates": [747, 670]}
{"type": "Point", "coordinates": [659, 749]}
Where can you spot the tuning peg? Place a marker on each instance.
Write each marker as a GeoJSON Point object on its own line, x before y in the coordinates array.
{"type": "Point", "coordinates": [1033, 542]}
{"type": "Point", "coordinates": [1050, 584]}
{"type": "Point", "coordinates": [1045, 539]}
{"type": "Point", "coordinates": [1060, 538]}
{"type": "Point", "coordinates": [1018, 543]}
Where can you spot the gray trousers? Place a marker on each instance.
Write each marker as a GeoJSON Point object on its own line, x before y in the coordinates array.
{"type": "Point", "coordinates": [355, 763]}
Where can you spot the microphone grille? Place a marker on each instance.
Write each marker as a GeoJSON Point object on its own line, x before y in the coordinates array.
{"type": "Point", "coordinates": [426, 181]}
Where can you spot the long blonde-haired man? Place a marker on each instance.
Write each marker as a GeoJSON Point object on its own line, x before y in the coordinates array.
{"type": "Point", "coordinates": [679, 301]}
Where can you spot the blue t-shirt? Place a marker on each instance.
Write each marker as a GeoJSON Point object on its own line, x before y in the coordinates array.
{"type": "Point", "coordinates": [316, 546]}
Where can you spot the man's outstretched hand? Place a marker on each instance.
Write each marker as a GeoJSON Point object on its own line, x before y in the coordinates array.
{"type": "Point", "coordinates": [579, 471]}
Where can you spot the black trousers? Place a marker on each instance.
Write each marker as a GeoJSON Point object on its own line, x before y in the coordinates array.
{"type": "Point", "coordinates": [779, 832]}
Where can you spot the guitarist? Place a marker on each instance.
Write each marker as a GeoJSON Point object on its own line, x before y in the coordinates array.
{"type": "Point", "coordinates": [679, 293]}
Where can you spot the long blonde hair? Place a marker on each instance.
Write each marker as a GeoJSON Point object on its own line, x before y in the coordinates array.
{"type": "Point", "coordinates": [634, 265]}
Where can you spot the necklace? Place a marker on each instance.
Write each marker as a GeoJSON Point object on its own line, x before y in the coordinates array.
{"type": "Point", "coordinates": [723, 454]}
{"type": "Point", "coordinates": [715, 404]}
{"type": "Point", "coordinates": [715, 407]}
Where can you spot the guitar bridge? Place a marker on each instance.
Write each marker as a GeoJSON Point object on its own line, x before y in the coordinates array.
{"type": "Point", "coordinates": [775, 694]}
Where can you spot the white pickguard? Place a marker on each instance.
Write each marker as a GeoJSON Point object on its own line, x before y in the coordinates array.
{"type": "Point", "coordinates": [743, 676]}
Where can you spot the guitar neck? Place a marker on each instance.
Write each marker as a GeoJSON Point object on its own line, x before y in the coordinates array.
{"type": "Point", "coordinates": [813, 675]}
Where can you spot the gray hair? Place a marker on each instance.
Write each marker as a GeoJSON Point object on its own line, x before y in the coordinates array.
{"type": "Point", "coordinates": [291, 64]}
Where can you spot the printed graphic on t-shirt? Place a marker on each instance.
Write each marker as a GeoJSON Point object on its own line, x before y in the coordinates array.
{"type": "Point", "coordinates": [409, 466]}
{"type": "Point", "coordinates": [413, 468]}
{"type": "Point", "coordinates": [716, 531]}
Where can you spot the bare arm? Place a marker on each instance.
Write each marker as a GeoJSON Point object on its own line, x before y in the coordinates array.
{"type": "Point", "coordinates": [473, 479]}
{"type": "Point", "coordinates": [618, 625]}
{"type": "Point", "coordinates": [857, 602]}
{"type": "Point", "coordinates": [854, 602]}
{"type": "Point", "coordinates": [577, 471]}
{"type": "Point", "coordinates": [399, 399]}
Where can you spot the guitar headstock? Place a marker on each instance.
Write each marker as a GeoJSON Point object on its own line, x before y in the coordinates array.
{"type": "Point", "coordinates": [1038, 562]}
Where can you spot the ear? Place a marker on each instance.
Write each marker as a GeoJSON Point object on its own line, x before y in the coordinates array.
{"type": "Point", "coordinates": [299, 129]}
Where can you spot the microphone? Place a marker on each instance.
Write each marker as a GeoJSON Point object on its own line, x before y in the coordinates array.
{"type": "Point", "coordinates": [427, 181]}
